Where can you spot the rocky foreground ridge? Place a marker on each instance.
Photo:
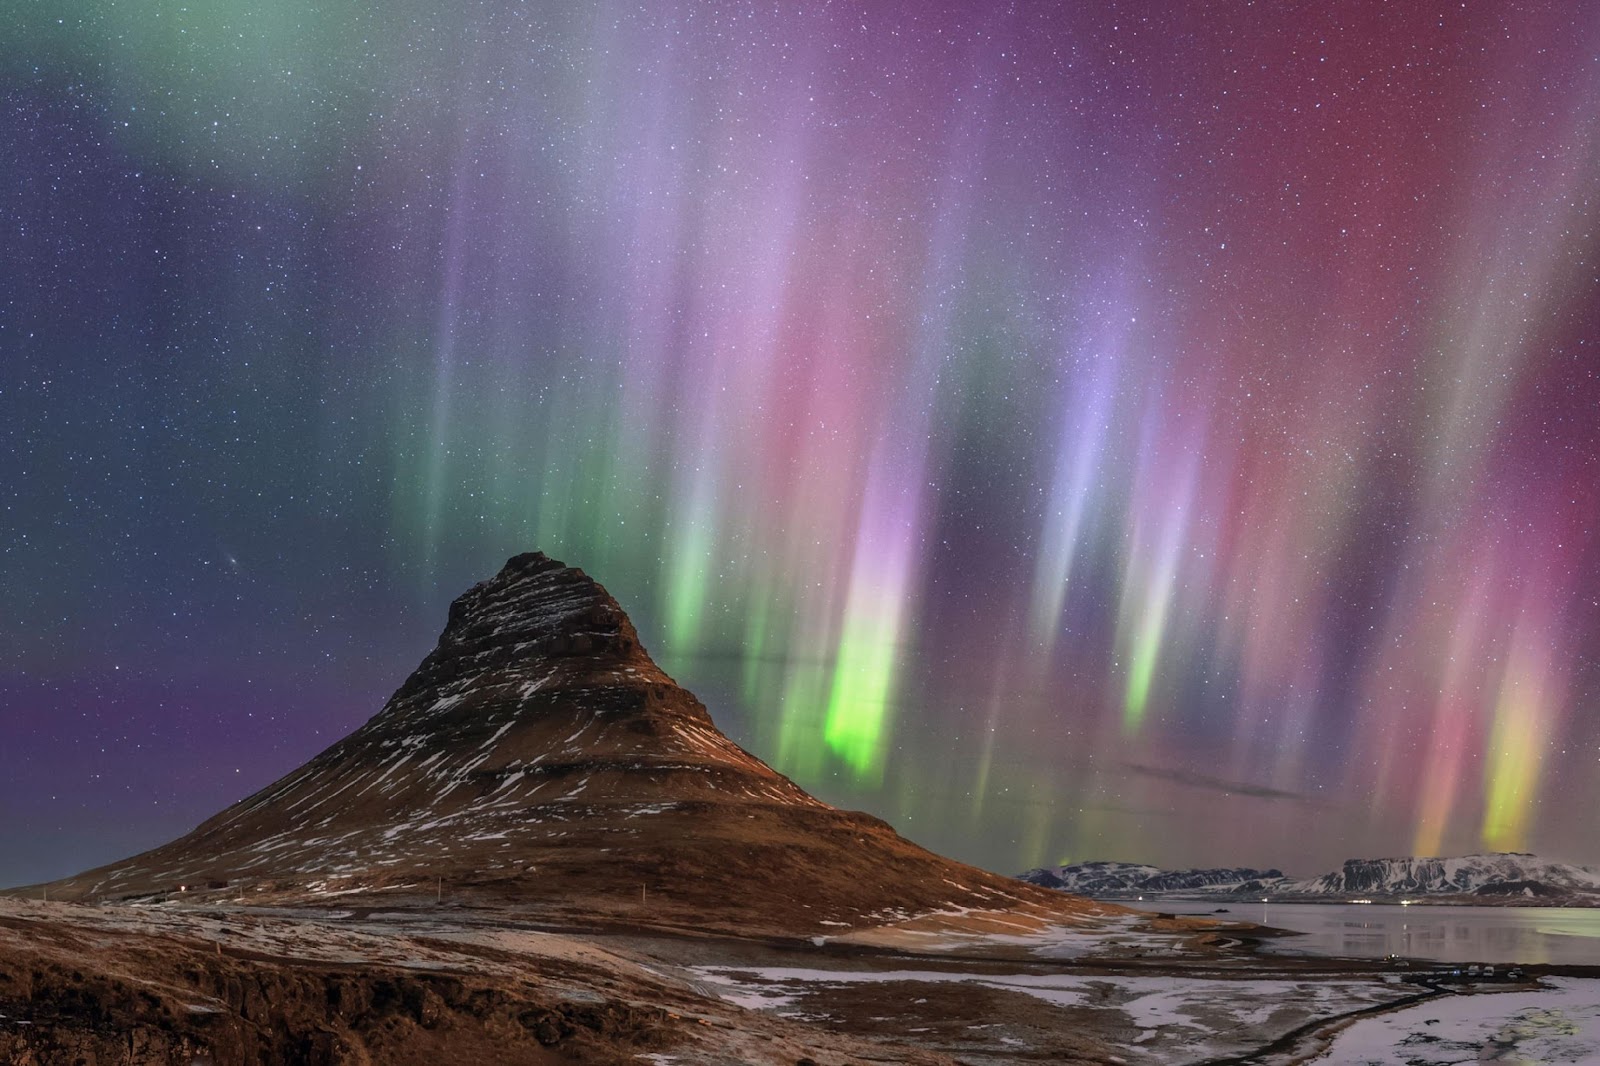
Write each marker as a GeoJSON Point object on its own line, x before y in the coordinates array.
{"type": "Point", "coordinates": [538, 756]}
{"type": "Point", "coordinates": [1500, 878]}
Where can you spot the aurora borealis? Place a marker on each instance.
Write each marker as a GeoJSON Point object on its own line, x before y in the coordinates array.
{"type": "Point", "coordinates": [1152, 431]}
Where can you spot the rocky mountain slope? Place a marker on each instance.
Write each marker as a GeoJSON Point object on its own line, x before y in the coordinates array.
{"type": "Point", "coordinates": [539, 757]}
{"type": "Point", "coordinates": [1500, 877]}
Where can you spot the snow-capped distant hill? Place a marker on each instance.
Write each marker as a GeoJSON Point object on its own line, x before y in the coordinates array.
{"type": "Point", "coordinates": [1495, 878]}
{"type": "Point", "coordinates": [1130, 879]}
{"type": "Point", "coordinates": [1470, 874]}
{"type": "Point", "coordinates": [1093, 878]}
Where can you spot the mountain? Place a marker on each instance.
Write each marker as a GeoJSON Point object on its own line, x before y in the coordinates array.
{"type": "Point", "coordinates": [1501, 877]}
{"type": "Point", "coordinates": [1496, 874]}
{"type": "Point", "coordinates": [538, 757]}
{"type": "Point", "coordinates": [1117, 879]}
{"type": "Point", "coordinates": [1092, 878]}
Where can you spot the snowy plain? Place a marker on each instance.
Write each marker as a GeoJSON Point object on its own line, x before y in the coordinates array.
{"type": "Point", "coordinates": [1560, 1024]}
{"type": "Point", "coordinates": [1167, 1019]}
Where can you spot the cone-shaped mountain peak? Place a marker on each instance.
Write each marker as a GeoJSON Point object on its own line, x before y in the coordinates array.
{"type": "Point", "coordinates": [537, 756]}
{"type": "Point", "coordinates": [535, 612]}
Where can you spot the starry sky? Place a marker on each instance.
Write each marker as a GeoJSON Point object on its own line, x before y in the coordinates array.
{"type": "Point", "coordinates": [1154, 431]}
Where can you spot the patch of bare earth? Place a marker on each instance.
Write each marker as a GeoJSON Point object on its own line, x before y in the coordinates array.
{"type": "Point", "coordinates": [134, 986]}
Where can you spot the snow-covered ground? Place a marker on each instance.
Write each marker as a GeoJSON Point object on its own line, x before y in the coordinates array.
{"type": "Point", "coordinates": [1171, 1019]}
{"type": "Point", "coordinates": [1560, 1024]}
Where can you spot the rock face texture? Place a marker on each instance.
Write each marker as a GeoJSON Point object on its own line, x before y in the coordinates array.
{"type": "Point", "coordinates": [539, 757]}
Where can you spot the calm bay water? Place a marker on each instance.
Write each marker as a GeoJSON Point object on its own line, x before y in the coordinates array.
{"type": "Point", "coordinates": [1444, 934]}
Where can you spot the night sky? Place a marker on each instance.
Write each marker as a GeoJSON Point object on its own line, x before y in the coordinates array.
{"type": "Point", "coordinates": [1154, 431]}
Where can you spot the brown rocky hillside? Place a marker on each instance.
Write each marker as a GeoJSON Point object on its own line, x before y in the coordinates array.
{"type": "Point", "coordinates": [539, 758]}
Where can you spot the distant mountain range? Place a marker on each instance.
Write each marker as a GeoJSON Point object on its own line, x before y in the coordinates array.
{"type": "Point", "coordinates": [1514, 879]}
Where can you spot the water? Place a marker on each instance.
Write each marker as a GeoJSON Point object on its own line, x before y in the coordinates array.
{"type": "Point", "coordinates": [1500, 935]}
